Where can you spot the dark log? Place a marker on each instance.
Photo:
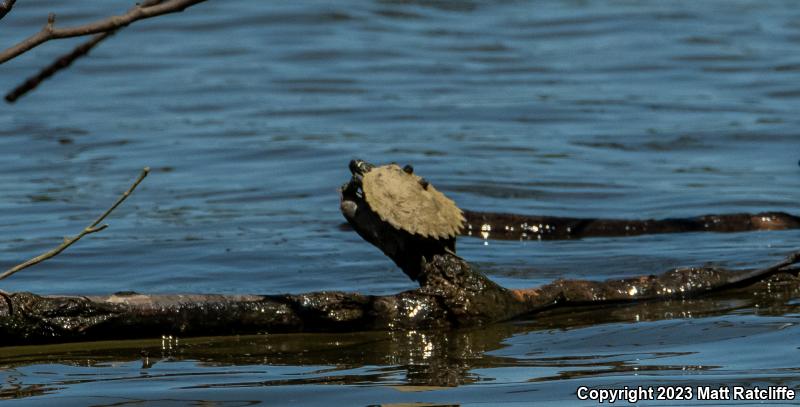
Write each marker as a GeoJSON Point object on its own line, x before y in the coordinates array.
{"type": "Point", "coordinates": [506, 226]}
{"type": "Point", "coordinates": [451, 294]}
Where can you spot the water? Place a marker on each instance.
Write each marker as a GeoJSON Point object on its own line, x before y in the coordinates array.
{"type": "Point", "coordinates": [248, 114]}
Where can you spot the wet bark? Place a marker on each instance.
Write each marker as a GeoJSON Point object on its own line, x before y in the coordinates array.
{"type": "Point", "coordinates": [505, 226]}
{"type": "Point", "coordinates": [451, 294]}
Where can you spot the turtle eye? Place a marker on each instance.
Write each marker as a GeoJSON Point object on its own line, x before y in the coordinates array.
{"type": "Point", "coordinates": [408, 169]}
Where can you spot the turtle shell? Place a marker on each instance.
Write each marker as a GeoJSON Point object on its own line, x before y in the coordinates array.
{"type": "Point", "coordinates": [409, 203]}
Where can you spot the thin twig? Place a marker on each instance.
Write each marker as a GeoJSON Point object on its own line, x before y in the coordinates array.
{"type": "Point", "coordinates": [49, 32]}
{"type": "Point", "coordinates": [68, 241]}
{"type": "Point", "coordinates": [5, 7]}
{"type": "Point", "coordinates": [62, 62]}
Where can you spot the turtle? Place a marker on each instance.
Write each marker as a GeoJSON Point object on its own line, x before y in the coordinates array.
{"type": "Point", "coordinates": [401, 213]}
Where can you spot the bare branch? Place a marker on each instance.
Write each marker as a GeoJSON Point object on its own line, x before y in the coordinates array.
{"type": "Point", "coordinates": [68, 241]}
{"type": "Point", "coordinates": [49, 32]}
{"type": "Point", "coordinates": [62, 62]}
{"type": "Point", "coordinates": [5, 7]}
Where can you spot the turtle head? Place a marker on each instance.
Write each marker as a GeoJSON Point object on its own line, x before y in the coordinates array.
{"type": "Point", "coordinates": [351, 194]}
{"type": "Point", "coordinates": [353, 187]}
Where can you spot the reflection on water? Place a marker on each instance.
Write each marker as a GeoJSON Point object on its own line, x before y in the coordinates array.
{"type": "Point", "coordinates": [653, 341]}
{"type": "Point", "coordinates": [248, 114]}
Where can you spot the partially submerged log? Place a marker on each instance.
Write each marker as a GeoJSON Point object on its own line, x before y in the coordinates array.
{"type": "Point", "coordinates": [507, 226]}
{"type": "Point", "coordinates": [452, 293]}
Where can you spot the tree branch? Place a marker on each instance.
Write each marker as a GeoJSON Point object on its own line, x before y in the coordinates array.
{"type": "Point", "coordinates": [62, 62]}
{"type": "Point", "coordinates": [49, 32]}
{"type": "Point", "coordinates": [5, 7]}
{"type": "Point", "coordinates": [68, 241]}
